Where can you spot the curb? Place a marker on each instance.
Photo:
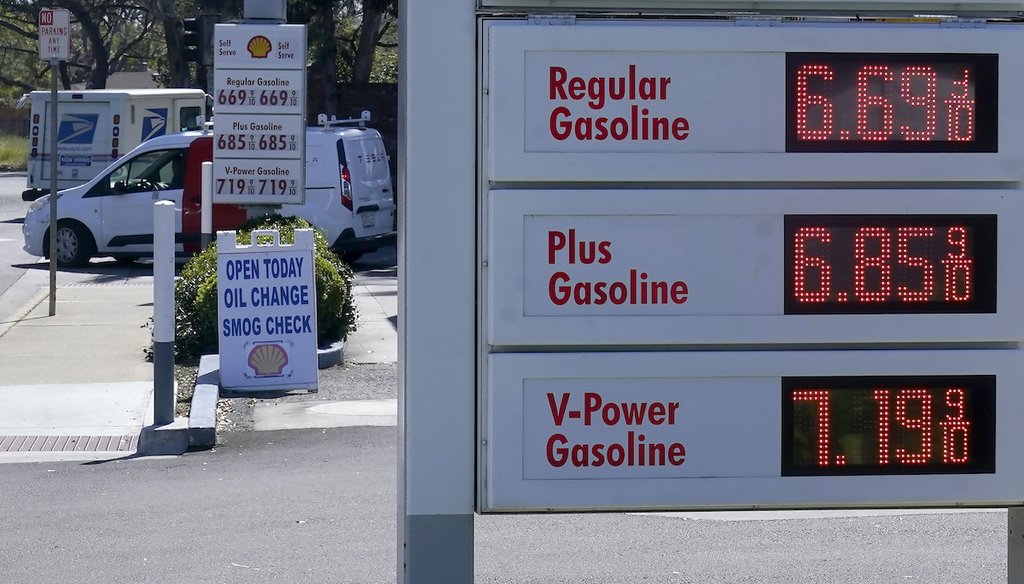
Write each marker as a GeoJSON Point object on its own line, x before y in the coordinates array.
{"type": "Point", "coordinates": [164, 439]}
{"type": "Point", "coordinates": [331, 355]}
{"type": "Point", "coordinates": [202, 420]}
{"type": "Point", "coordinates": [199, 431]}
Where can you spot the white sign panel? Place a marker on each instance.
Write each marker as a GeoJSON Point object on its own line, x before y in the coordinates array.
{"type": "Point", "coordinates": [710, 267]}
{"type": "Point", "coordinates": [273, 137]}
{"type": "Point", "coordinates": [260, 46]}
{"type": "Point", "coordinates": [266, 182]}
{"type": "Point", "coordinates": [720, 430]}
{"type": "Point", "coordinates": [676, 101]}
{"type": "Point", "coordinates": [644, 428]}
{"type": "Point", "coordinates": [604, 101]}
{"type": "Point", "coordinates": [266, 312]}
{"type": "Point", "coordinates": [54, 33]}
{"type": "Point", "coordinates": [243, 91]}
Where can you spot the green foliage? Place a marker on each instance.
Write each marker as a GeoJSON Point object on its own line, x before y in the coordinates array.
{"type": "Point", "coordinates": [132, 35]}
{"type": "Point", "coordinates": [196, 291]}
{"type": "Point", "coordinates": [13, 152]}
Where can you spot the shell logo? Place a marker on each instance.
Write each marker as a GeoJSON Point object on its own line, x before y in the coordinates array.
{"type": "Point", "coordinates": [259, 47]}
{"type": "Point", "coordinates": [268, 360]}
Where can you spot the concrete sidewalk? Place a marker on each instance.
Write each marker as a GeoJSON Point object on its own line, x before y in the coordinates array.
{"type": "Point", "coordinates": [76, 385]}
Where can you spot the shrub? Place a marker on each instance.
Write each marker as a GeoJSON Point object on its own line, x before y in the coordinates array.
{"type": "Point", "coordinates": [195, 292]}
{"type": "Point", "coordinates": [13, 152]}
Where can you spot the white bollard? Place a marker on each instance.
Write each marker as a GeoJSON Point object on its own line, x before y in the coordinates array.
{"type": "Point", "coordinates": [206, 205]}
{"type": "Point", "coordinates": [164, 397]}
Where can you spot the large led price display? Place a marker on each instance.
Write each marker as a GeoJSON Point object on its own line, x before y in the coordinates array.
{"type": "Point", "coordinates": [888, 425]}
{"type": "Point", "coordinates": [866, 102]}
{"type": "Point", "coordinates": [890, 264]}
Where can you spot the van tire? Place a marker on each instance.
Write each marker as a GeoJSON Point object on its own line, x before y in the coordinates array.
{"type": "Point", "coordinates": [352, 256]}
{"type": "Point", "coordinates": [75, 245]}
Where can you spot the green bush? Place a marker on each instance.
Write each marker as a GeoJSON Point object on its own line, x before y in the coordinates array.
{"type": "Point", "coordinates": [195, 292]}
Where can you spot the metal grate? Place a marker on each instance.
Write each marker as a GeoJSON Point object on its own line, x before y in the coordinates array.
{"type": "Point", "coordinates": [125, 443]}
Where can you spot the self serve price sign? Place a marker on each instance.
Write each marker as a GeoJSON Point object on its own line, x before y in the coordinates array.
{"type": "Point", "coordinates": [260, 129]}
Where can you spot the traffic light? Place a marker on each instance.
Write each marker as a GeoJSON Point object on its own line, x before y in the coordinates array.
{"type": "Point", "coordinates": [193, 39]}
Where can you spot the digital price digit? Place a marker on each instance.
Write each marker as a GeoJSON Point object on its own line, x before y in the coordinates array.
{"type": "Point", "coordinates": [851, 102]}
{"type": "Point", "coordinates": [888, 425]}
{"type": "Point", "coordinates": [843, 264]}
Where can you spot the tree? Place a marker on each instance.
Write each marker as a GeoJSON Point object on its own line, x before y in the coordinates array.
{"type": "Point", "coordinates": [107, 36]}
{"type": "Point", "coordinates": [375, 23]}
{"type": "Point", "coordinates": [351, 40]}
{"type": "Point", "coordinates": [177, 74]}
{"type": "Point", "coordinates": [362, 30]}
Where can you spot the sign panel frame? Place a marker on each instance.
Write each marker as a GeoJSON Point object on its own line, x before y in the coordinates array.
{"type": "Point", "coordinates": [749, 78]}
{"type": "Point", "coordinates": [517, 311]}
{"type": "Point", "coordinates": [736, 461]}
{"type": "Point", "coordinates": [249, 56]}
{"type": "Point", "coordinates": [907, 7]}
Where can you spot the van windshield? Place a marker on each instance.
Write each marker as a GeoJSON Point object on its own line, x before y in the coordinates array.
{"type": "Point", "coordinates": [158, 170]}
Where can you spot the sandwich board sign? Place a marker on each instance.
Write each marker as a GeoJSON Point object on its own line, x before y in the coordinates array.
{"type": "Point", "coordinates": [266, 312]}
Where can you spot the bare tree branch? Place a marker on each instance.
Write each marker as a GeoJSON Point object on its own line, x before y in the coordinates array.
{"type": "Point", "coordinates": [5, 80]}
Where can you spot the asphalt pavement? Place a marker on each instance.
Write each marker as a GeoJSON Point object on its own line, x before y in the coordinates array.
{"type": "Point", "coordinates": [76, 385]}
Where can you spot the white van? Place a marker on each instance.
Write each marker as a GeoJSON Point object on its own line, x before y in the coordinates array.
{"type": "Point", "coordinates": [97, 126]}
{"type": "Point", "coordinates": [349, 196]}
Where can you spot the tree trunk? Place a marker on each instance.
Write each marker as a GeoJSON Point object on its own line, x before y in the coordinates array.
{"type": "Point", "coordinates": [101, 57]}
{"type": "Point", "coordinates": [177, 68]}
{"type": "Point", "coordinates": [373, 14]}
{"type": "Point", "coordinates": [323, 71]}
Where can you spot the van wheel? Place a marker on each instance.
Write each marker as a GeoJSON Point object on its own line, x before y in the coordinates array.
{"type": "Point", "coordinates": [74, 244]}
{"type": "Point", "coordinates": [351, 257]}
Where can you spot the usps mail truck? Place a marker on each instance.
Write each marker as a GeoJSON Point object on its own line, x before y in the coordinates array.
{"type": "Point", "coordinates": [98, 126]}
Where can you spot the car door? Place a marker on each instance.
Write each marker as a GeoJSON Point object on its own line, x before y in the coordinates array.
{"type": "Point", "coordinates": [128, 195]}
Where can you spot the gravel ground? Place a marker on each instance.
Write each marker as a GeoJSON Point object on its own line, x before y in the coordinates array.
{"type": "Point", "coordinates": [339, 383]}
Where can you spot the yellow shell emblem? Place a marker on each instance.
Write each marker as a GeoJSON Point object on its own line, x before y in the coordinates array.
{"type": "Point", "coordinates": [259, 47]}
{"type": "Point", "coordinates": [268, 360]}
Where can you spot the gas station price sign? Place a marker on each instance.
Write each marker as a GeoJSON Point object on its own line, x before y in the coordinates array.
{"type": "Point", "coordinates": [888, 425]}
{"type": "Point", "coordinates": [725, 272]}
{"type": "Point", "coordinates": [678, 102]}
{"type": "Point", "coordinates": [643, 267]}
{"type": "Point", "coordinates": [744, 429]}
{"type": "Point", "coordinates": [899, 102]}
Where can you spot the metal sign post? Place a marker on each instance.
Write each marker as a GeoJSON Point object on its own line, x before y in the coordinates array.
{"type": "Point", "coordinates": [54, 45]}
{"type": "Point", "coordinates": [54, 124]}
